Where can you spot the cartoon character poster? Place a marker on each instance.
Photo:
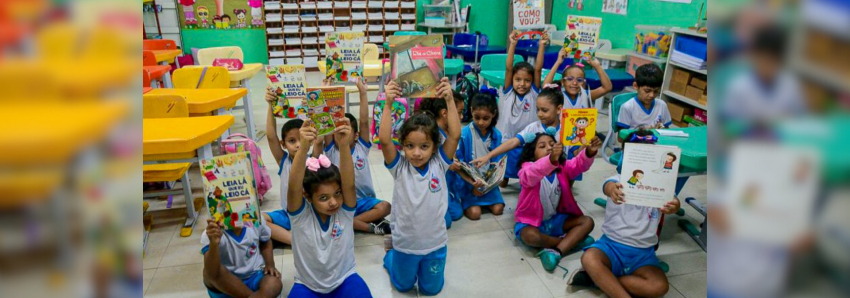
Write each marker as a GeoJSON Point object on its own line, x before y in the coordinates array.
{"type": "Point", "coordinates": [649, 174]}
{"type": "Point", "coordinates": [220, 14]}
{"type": "Point", "coordinates": [287, 81]}
{"type": "Point", "coordinates": [230, 192]}
{"type": "Point", "coordinates": [582, 37]}
{"type": "Point", "coordinates": [325, 106]}
{"type": "Point", "coordinates": [344, 60]}
{"type": "Point", "coordinates": [399, 110]}
{"type": "Point", "coordinates": [615, 6]}
{"type": "Point", "coordinates": [579, 126]}
{"type": "Point", "coordinates": [417, 64]}
{"type": "Point", "coordinates": [529, 18]}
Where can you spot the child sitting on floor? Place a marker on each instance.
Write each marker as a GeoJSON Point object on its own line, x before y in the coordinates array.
{"type": "Point", "coordinates": [238, 262]}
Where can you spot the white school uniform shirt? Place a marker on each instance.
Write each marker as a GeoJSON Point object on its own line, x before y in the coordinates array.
{"type": "Point", "coordinates": [550, 195]}
{"type": "Point", "coordinates": [634, 114]}
{"type": "Point", "coordinates": [635, 226]}
{"type": "Point", "coordinates": [516, 111]}
{"type": "Point", "coordinates": [535, 128]}
{"type": "Point", "coordinates": [420, 201]}
{"type": "Point", "coordinates": [323, 253]}
{"type": "Point", "coordinates": [480, 146]}
{"type": "Point", "coordinates": [581, 101]}
{"type": "Point", "coordinates": [362, 171]}
{"type": "Point", "coordinates": [442, 136]}
{"type": "Point", "coordinates": [748, 98]}
{"type": "Point", "coordinates": [283, 173]}
{"type": "Point", "coordinates": [240, 255]}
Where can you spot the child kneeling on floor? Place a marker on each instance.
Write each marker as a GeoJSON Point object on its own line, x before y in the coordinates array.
{"type": "Point", "coordinates": [546, 210]}
{"type": "Point", "coordinates": [623, 262]}
{"type": "Point", "coordinates": [238, 262]}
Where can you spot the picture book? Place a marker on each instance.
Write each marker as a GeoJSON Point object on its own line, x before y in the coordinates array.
{"type": "Point", "coordinates": [417, 64]}
{"type": "Point", "coordinates": [344, 56]}
{"type": "Point", "coordinates": [529, 18]}
{"type": "Point", "coordinates": [579, 126]}
{"type": "Point", "coordinates": [491, 174]}
{"type": "Point", "coordinates": [287, 81]}
{"type": "Point", "coordinates": [582, 38]}
{"type": "Point", "coordinates": [771, 192]}
{"type": "Point", "coordinates": [326, 105]}
{"type": "Point", "coordinates": [231, 196]}
{"type": "Point", "coordinates": [399, 110]}
{"type": "Point", "coordinates": [649, 174]}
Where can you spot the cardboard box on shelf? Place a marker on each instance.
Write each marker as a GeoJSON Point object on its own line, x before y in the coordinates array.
{"type": "Point", "coordinates": [678, 87]}
{"type": "Point", "coordinates": [677, 111]}
{"type": "Point", "coordinates": [680, 123]}
{"type": "Point", "coordinates": [693, 92]}
{"type": "Point", "coordinates": [680, 75]}
{"type": "Point", "coordinates": [698, 82]}
{"type": "Point", "coordinates": [703, 99]}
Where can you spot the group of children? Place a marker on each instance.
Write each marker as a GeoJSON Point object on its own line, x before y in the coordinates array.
{"type": "Point", "coordinates": [326, 197]}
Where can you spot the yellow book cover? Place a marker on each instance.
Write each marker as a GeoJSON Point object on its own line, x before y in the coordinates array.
{"type": "Point", "coordinates": [326, 106]}
{"type": "Point", "coordinates": [231, 196]}
{"type": "Point", "coordinates": [578, 126]}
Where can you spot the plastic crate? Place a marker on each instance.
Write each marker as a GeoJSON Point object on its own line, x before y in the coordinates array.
{"type": "Point", "coordinates": [692, 45]}
{"type": "Point", "coordinates": [635, 60]}
{"type": "Point", "coordinates": [653, 41]}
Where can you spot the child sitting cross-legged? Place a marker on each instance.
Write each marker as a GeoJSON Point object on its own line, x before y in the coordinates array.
{"type": "Point", "coordinates": [238, 262]}
{"type": "Point", "coordinates": [547, 215]}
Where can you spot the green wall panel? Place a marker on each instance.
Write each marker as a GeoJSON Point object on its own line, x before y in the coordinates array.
{"type": "Point", "coordinates": [252, 42]}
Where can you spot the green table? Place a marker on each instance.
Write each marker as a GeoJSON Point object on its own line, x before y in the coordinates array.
{"type": "Point", "coordinates": [694, 147]}
{"type": "Point", "coordinates": [497, 77]}
{"type": "Point", "coordinates": [453, 67]}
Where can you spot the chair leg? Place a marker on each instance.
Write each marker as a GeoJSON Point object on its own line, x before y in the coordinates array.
{"type": "Point", "coordinates": [191, 213]}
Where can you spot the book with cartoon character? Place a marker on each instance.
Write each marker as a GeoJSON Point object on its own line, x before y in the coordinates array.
{"type": "Point", "coordinates": [417, 64]}
{"type": "Point", "coordinates": [649, 174]}
{"type": "Point", "coordinates": [230, 192]}
{"type": "Point", "coordinates": [287, 81]}
{"type": "Point", "coordinates": [529, 18]}
{"type": "Point", "coordinates": [491, 174]}
{"type": "Point", "coordinates": [582, 38]}
{"type": "Point", "coordinates": [399, 110]}
{"type": "Point", "coordinates": [579, 126]}
{"type": "Point", "coordinates": [344, 56]}
{"type": "Point", "coordinates": [325, 106]}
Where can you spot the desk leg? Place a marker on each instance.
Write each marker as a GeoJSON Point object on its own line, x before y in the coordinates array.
{"type": "Point", "coordinates": [249, 111]}
{"type": "Point", "coordinates": [166, 79]}
{"type": "Point", "coordinates": [191, 212]}
{"type": "Point", "coordinates": [226, 134]}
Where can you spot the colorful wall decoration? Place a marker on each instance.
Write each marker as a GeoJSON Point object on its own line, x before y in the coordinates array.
{"type": "Point", "coordinates": [220, 14]}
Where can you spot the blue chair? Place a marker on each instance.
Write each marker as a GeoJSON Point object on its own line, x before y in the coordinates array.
{"type": "Point", "coordinates": [527, 43]}
{"type": "Point", "coordinates": [461, 39]}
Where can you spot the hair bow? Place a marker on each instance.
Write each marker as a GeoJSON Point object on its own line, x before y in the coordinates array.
{"type": "Point", "coordinates": [551, 86]}
{"type": "Point", "coordinates": [490, 91]}
{"type": "Point", "coordinates": [551, 131]}
{"type": "Point", "coordinates": [529, 137]}
{"type": "Point", "coordinates": [314, 164]}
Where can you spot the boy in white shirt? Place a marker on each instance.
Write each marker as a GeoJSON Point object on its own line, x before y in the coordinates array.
{"type": "Point", "coordinates": [239, 263]}
{"type": "Point", "coordinates": [645, 109]}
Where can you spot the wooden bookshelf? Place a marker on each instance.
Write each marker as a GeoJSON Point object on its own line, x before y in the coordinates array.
{"type": "Point", "coordinates": [295, 30]}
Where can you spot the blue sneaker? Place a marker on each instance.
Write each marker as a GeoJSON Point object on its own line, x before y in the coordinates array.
{"type": "Point", "coordinates": [550, 259]}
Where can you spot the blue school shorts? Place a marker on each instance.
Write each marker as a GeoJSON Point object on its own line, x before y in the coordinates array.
{"type": "Point", "coordinates": [405, 269]}
{"type": "Point", "coordinates": [625, 259]}
{"type": "Point", "coordinates": [365, 204]}
{"type": "Point", "coordinates": [252, 282]}
{"type": "Point", "coordinates": [553, 227]}
{"type": "Point", "coordinates": [280, 218]}
{"type": "Point", "coordinates": [353, 287]}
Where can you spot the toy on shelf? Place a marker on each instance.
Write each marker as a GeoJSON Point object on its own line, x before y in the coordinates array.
{"type": "Point", "coordinates": [652, 41]}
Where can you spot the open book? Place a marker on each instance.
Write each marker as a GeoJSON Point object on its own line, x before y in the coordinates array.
{"type": "Point", "coordinates": [649, 174]}
{"type": "Point", "coordinates": [229, 190]}
{"type": "Point", "coordinates": [492, 175]}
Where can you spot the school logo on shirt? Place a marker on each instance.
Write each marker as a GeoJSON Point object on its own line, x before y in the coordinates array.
{"type": "Point", "coordinates": [360, 163]}
{"type": "Point", "coordinates": [653, 214]}
{"type": "Point", "coordinates": [434, 186]}
{"type": "Point", "coordinates": [252, 250]}
{"type": "Point", "coordinates": [526, 106]}
{"type": "Point", "coordinates": [337, 230]}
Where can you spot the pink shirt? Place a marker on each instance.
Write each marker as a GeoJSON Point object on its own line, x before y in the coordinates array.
{"type": "Point", "coordinates": [528, 209]}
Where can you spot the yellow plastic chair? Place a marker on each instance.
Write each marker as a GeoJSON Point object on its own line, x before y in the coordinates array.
{"type": "Point", "coordinates": [207, 55]}
{"type": "Point", "coordinates": [370, 51]}
{"type": "Point", "coordinates": [215, 77]}
{"type": "Point", "coordinates": [164, 106]}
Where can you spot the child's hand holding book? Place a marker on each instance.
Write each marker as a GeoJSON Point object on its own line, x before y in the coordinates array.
{"type": "Point", "coordinates": [213, 232]}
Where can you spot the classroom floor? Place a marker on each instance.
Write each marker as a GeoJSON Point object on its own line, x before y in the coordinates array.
{"type": "Point", "coordinates": [484, 259]}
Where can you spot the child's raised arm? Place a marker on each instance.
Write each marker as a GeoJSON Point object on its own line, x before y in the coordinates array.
{"type": "Point", "coordinates": [364, 119]}
{"type": "Point", "coordinates": [538, 63]}
{"type": "Point", "coordinates": [271, 127]}
{"type": "Point", "coordinates": [550, 77]}
{"type": "Point", "coordinates": [453, 133]}
{"type": "Point", "coordinates": [509, 65]}
{"type": "Point", "coordinates": [295, 194]}
{"type": "Point", "coordinates": [502, 149]}
{"type": "Point", "coordinates": [385, 133]}
{"type": "Point", "coordinates": [606, 87]}
{"type": "Point", "coordinates": [343, 136]}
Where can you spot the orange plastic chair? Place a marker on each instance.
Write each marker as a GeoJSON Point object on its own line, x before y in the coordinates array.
{"type": "Point", "coordinates": [215, 77]}
{"type": "Point", "coordinates": [146, 78]}
{"type": "Point", "coordinates": [149, 64]}
{"type": "Point", "coordinates": [158, 44]}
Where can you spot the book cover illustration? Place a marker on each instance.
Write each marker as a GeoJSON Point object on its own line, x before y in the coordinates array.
{"type": "Point", "coordinates": [491, 174]}
{"type": "Point", "coordinates": [582, 38]}
{"type": "Point", "coordinates": [400, 113]}
{"type": "Point", "coordinates": [529, 18]}
{"type": "Point", "coordinates": [649, 174]}
{"type": "Point", "coordinates": [344, 56]}
{"type": "Point", "coordinates": [579, 126]}
{"type": "Point", "coordinates": [287, 81]}
{"type": "Point", "coordinates": [326, 105]}
{"type": "Point", "coordinates": [417, 64]}
{"type": "Point", "coordinates": [772, 192]}
{"type": "Point", "coordinates": [230, 193]}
